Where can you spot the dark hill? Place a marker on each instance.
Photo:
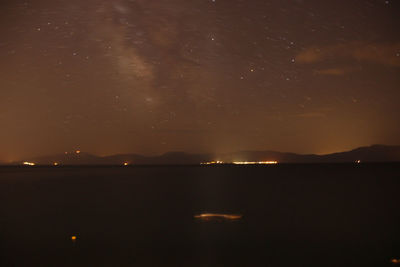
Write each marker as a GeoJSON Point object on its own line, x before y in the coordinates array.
{"type": "Point", "coordinates": [374, 153]}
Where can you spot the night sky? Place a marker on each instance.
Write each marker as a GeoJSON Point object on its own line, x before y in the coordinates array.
{"type": "Point", "coordinates": [141, 76]}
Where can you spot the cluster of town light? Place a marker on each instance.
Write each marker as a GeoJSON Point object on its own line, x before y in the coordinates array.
{"type": "Point", "coordinates": [76, 152]}
{"type": "Point", "coordinates": [213, 162]}
{"type": "Point", "coordinates": [255, 162]}
{"type": "Point", "coordinates": [240, 162]}
{"type": "Point", "coordinates": [210, 216]}
{"type": "Point", "coordinates": [27, 163]}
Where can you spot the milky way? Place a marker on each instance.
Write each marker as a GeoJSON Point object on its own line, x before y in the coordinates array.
{"type": "Point", "coordinates": [197, 76]}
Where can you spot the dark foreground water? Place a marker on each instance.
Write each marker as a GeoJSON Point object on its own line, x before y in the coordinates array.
{"type": "Point", "coordinates": [293, 215]}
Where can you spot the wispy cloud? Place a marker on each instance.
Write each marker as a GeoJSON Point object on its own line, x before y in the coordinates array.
{"type": "Point", "coordinates": [376, 53]}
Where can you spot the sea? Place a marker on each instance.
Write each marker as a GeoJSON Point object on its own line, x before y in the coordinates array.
{"type": "Point", "coordinates": [289, 215]}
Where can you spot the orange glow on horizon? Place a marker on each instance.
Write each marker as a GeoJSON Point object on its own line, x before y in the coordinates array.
{"type": "Point", "coordinates": [28, 163]}
{"type": "Point", "coordinates": [126, 163]}
{"type": "Point", "coordinates": [78, 151]}
{"type": "Point", "coordinates": [73, 238]}
{"type": "Point", "coordinates": [395, 261]}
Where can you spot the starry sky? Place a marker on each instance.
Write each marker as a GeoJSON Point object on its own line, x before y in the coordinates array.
{"type": "Point", "coordinates": [140, 76]}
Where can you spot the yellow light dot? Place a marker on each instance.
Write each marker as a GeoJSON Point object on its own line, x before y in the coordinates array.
{"type": "Point", "coordinates": [78, 151]}
{"type": "Point", "coordinates": [73, 238]}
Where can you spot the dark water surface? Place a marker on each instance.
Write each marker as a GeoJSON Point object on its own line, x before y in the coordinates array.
{"type": "Point", "coordinates": [293, 215]}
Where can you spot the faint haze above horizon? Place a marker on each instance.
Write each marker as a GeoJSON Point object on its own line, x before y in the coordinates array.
{"type": "Point", "coordinates": [200, 76]}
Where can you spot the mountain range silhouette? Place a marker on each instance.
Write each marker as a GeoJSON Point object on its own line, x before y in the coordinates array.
{"type": "Point", "coordinates": [373, 153]}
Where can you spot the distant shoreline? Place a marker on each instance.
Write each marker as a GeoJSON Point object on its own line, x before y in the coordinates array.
{"type": "Point", "coordinates": [374, 153]}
